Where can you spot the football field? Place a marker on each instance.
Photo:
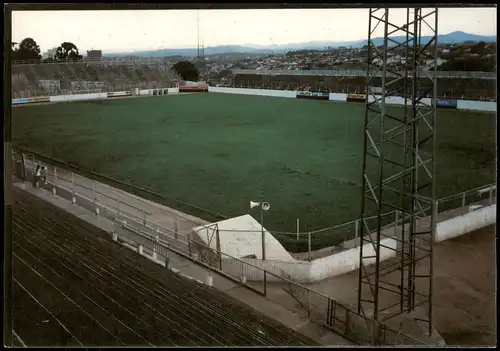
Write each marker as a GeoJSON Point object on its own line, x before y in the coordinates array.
{"type": "Point", "coordinates": [219, 151]}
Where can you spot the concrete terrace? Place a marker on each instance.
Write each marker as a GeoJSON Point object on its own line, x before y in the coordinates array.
{"type": "Point", "coordinates": [278, 305]}
{"type": "Point", "coordinates": [73, 286]}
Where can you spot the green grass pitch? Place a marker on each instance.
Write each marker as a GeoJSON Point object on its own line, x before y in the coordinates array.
{"type": "Point", "coordinates": [220, 151]}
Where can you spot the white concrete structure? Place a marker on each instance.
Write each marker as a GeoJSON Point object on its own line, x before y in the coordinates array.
{"type": "Point", "coordinates": [466, 223]}
{"type": "Point", "coordinates": [486, 106]}
{"type": "Point", "coordinates": [241, 237]}
{"type": "Point", "coordinates": [78, 97]}
{"type": "Point", "coordinates": [306, 272]}
{"type": "Point", "coordinates": [256, 92]}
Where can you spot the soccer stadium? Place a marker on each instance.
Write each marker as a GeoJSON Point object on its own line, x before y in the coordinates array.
{"type": "Point", "coordinates": [174, 213]}
{"type": "Point", "coordinates": [214, 151]}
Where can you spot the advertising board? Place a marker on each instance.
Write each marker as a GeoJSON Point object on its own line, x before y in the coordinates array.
{"type": "Point", "coordinates": [356, 98]}
{"type": "Point", "coordinates": [20, 101]}
{"type": "Point", "coordinates": [445, 103]}
{"type": "Point", "coordinates": [38, 99]}
{"type": "Point", "coordinates": [202, 88]}
{"type": "Point", "coordinates": [312, 95]}
{"type": "Point", "coordinates": [113, 94]}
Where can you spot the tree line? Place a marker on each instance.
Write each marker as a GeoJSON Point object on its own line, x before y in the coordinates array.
{"type": "Point", "coordinates": [29, 50]}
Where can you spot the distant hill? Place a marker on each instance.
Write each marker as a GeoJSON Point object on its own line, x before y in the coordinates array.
{"type": "Point", "coordinates": [192, 52]}
{"type": "Point", "coordinates": [450, 38]}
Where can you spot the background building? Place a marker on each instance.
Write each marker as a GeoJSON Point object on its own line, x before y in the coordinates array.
{"type": "Point", "coordinates": [94, 54]}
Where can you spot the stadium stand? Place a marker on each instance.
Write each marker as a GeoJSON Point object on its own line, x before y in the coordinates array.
{"type": "Point", "coordinates": [451, 88]}
{"type": "Point", "coordinates": [73, 286]}
{"type": "Point", "coordinates": [35, 79]}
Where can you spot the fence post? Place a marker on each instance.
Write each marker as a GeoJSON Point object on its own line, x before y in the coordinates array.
{"type": "Point", "coordinates": [176, 228]}
{"type": "Point", "coordinates": [463, 199]}
{"type": "Point", "coordinates": [490, 200]}
{"type": "Point", "coordinates": [94, 197]}
{"type": "Point", "coordinates": [309, 244]}
{"type": "Point", "coordinates": [298, 229]}
{"type": "Point", "coordinates": [24, 174]}
{"type": "Point", "coordinates": [189, 243]}
{"type": "Point", "coordinates": [73, 187]}
{"type": "Point", "coordinates": [356, 233]}
{"type": "Point", "coordinates": [217, 244]}
{"type": "Point", "coordinates": [396, 220]}
{"type": "Point", "coordinates": [117, 204]}
{"type": "Point", "coordinates": [309, 302]}
{"type": "Point", "coordinates": [54, 190]}
{"type": "Point", "coordinates": [242, 276]}
{"type": "Point", "coordinates": [143, 217]}
{"type": "Point", "coordinates": [115, 233]}
{"type": "Point", "coordinates": [156, 246]}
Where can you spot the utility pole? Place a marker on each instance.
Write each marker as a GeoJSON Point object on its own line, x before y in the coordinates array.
{"type": "Point", "coordinates": [198, 32]}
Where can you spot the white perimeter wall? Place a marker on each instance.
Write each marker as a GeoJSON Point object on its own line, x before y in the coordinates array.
{"type": "Point", "coordinates": [78, 97]}
{"type": "Point", "coordinates": [305, 272]}
{"type": "Point", "coordinates": [467, 223]}
{"type": "Point", "coordinates": [258, 92]}
{"type": "Point", "coordinates": [477, 105]}
{"type": "Point", "coordinates": [348, 261]}
{"type": "Point", "coordinates": [486, 106]}
{"type": "Point", "coordinates": [393, 100]}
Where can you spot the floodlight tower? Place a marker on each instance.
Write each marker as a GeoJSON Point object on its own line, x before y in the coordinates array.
{"type": "Point", "coordinates": [198, 33]}
{"type": "Point", "coordinates": [399, 168]}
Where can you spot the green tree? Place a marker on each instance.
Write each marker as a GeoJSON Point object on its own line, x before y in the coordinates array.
{"type": "Point", "coordinates": [67, 52]}
{"type": "Point", "coordinates": [187, 70]}
{"type": "Point", "coordinates": [27, 50]}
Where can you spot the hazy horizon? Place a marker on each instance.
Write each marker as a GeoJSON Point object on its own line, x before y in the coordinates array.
{"type": "Point", "coordinates": [139, 30]}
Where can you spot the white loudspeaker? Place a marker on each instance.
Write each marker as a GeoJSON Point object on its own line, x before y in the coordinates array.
{"type": "Point", "coordinates": [265, 205]}
{"type": "Point", "coordinates": [254, 204]}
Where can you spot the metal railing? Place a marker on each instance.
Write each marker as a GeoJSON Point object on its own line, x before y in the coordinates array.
{"type": "Point", "coordinates": [133, 190]}
{"type": "Point", "coordinates": [317, 306]}
{"type": "Point", "coordinates": [345, 234]}
{"type": "Point", "coordinates": [68, 181]}
{"type": "Point", "coordinates": [159, 240]}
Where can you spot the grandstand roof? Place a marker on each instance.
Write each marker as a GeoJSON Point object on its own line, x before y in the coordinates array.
{"type": "Point", "coordinates": [73, 286]}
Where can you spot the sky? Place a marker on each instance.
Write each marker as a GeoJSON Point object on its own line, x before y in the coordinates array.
{"type": "Point", "coordinates": [134, 30]}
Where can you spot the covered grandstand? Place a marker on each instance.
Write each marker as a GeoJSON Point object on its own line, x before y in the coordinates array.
{"type": "Point", "coordinates": [95, 76]}
{"type": "Point", "coordinates": [73, 286]}
{"type": "Point", "coordinates": [451, 85]}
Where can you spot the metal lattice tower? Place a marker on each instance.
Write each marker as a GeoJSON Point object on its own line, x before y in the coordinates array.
{"type": "Point", "coordinates": [399, 168]}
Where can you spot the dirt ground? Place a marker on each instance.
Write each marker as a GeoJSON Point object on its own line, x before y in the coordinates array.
{"type": "Point", "coordinates": [465, 284]}
{"type": "Point", "coordinates": [464, 289]}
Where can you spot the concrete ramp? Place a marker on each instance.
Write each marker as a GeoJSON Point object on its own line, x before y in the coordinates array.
{"type": "Point", "coordinates": [241, 237]}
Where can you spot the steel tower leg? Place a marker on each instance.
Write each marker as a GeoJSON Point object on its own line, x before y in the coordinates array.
{"type": "Point", "coordinates": [399, 168]}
